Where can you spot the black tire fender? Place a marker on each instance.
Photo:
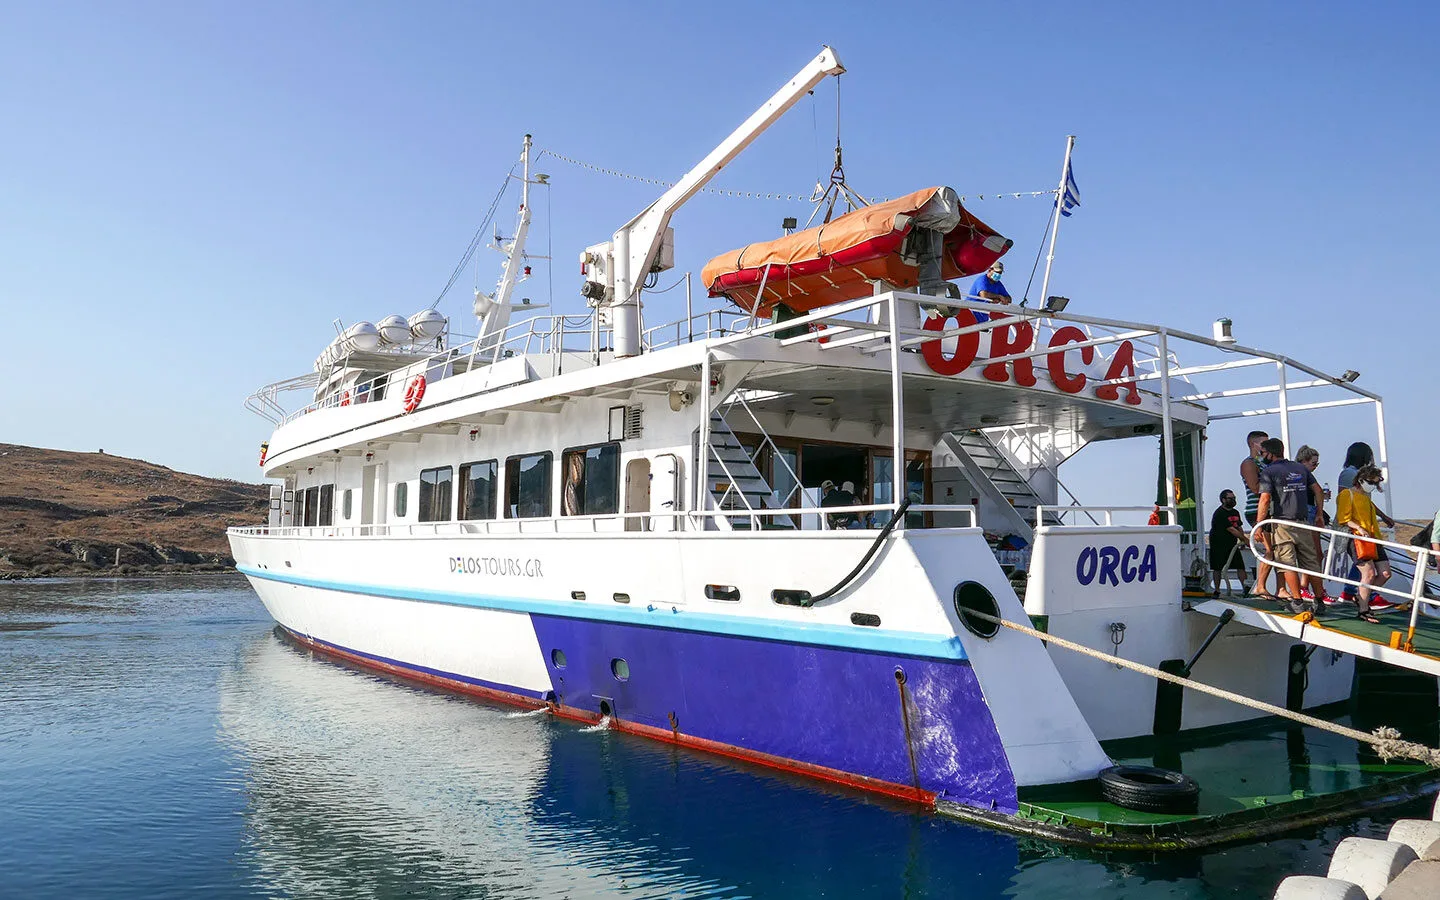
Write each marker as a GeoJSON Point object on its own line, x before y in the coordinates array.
{"type": "Point", "coordinates": [1149, 789]}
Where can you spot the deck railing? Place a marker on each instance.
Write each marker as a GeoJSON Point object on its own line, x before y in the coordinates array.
{"type": "Point", "coordinates": [613, 523]}
{"type": "Point", "coordinates": [1422, 559]}
{"type": "Point", "coordinates": [1172, 515]}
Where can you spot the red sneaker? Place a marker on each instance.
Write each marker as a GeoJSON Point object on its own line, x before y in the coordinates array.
{"type": "Point", "coordinates": [1380, 604]}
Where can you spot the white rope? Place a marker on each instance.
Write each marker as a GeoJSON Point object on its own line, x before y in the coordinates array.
{"type": "Point", "coordinates": [770, 195]}
{"type": "Point", "coordinates": [1386, 740]}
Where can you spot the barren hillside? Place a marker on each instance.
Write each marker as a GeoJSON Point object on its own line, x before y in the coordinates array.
{"type": "Point", "coordinates": [66, 513]}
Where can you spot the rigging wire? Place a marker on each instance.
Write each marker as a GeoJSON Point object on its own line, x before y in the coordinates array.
{"type": "Point", "coordinates": [679, 281]}
{"type": "Point", "coordinates": [774, 195]}
{"type": "Point", "coordinates": [1025, 298]}
{"type": "Point", "coordinates": [475, 241]}
{"type": "Point", "coordinates": [815, 136]}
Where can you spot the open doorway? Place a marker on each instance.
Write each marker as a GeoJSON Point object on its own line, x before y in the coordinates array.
{"type": "Point", "coordinates": [820, 463]}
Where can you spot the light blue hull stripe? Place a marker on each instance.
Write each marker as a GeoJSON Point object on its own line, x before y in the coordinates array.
{"type": "Point", "coordinates": [854, 637]}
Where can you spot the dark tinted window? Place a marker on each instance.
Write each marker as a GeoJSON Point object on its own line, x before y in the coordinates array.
{"type": "Point", "coordinates": [592, 481]}
{"type": "Point", "coordinates": [477, 489]}
{"type": "Point", "coordinates": [312, 506]}
{"type": "Point", "coordinates": [346, 506]}
{"type": "Point", "coordinates": [527, 486]}
{"type": "Point", "coordinates": [327, 504]}
{"type": "Point", "coordinates": [435, 494]}
{"type": "Point", "coordinates": [402, 498]}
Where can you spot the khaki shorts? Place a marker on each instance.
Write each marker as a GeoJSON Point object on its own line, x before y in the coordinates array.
{"type": "Point", "coordinates": [1294, 547]}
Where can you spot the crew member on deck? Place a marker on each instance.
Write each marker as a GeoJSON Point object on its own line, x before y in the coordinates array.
{"type": "Point", "coordinates": [987, 285]}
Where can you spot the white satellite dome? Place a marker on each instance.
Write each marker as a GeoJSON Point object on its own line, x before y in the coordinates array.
{"type": "Point", "coordinates": [426, 324]}
{"type": "Point", "coordinates": [360, 337]}
{"type": "Point", "coordinates": [394, 330]}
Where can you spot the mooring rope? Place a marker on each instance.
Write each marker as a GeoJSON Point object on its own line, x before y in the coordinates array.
{"type": "Point", "coordinates": [1386, 740]}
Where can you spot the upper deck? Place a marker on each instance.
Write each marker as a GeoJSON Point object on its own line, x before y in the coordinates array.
{"type": "Point", "coordinates": [1034, 368]}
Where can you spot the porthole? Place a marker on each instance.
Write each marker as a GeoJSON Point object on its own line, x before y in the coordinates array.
{"type": "Point", "coordinates": [972, 597]}
{"type": "Point", "coordinates": [726, 592]}
{"type": "Point", "coordinates": [620, 669]}
{"type": "Point", "coordinates": [557, 658]}
{"type": "Point", "coordinates": [788, 597]}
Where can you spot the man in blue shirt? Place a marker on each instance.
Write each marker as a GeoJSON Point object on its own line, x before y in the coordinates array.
{"type": "Point", "coordinates": [987, 286]}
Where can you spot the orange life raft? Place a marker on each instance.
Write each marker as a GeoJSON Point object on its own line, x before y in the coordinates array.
{"type": "Point", "coordinates": [839, 260]}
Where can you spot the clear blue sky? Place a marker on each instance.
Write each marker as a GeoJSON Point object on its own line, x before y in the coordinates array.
{"type": "Point", "coordinates": [190, 192]}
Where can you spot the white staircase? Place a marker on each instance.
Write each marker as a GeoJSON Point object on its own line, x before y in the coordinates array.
{"type": "Point", "coordinates": [990, 471]}
{"type": "Point", "coordinates": [731, 478]}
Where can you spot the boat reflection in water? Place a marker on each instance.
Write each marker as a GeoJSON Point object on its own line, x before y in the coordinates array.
{"type": "Point", "coordinates": [361, 786]}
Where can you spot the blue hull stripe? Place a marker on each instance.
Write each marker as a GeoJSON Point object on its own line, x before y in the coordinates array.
{"type": "Point", "coordinates": [855, 637]}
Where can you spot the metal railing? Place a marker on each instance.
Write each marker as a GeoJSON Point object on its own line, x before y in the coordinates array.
{"type": "Point", "coordinates": [611, 523]}
{"type": "Point", "coordinates": [1421, 557]}
{"type": "Point", "coordinates": [1171, 513]}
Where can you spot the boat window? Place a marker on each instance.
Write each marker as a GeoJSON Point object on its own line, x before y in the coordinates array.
{"type": "Point", "coordinates": [345, 505]}
{"type": "Point", "coordinates": [527, 486]}
{"type": "Point", "coordinates": [883, 488]}
{"type": "Point", "coordinates": [402, 496]}
{"type": "Point", "coordinates": [298, 516]}
{"type": "Point", "coordinates": [312, 506]}
{"type": "Point", "coordinates": [592, 481]}
{"type": "Point", "coordinates": [435, 494]}
{"type": "Point", "coordinates": [326, 514]}
{"type": "Point", "coordinates": [477, 489]}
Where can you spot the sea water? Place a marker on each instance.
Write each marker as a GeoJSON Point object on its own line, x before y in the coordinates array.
{"type": "Point", "coordinates": [159, 739]}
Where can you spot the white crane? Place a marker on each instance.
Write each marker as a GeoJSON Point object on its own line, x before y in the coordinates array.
{"type": "Point", "coordinates": [612, 267]}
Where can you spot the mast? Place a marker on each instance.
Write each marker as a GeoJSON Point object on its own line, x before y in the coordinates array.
{"type": "Point", "coordinates": [494, 310]}
{"type": "Point", "coordinates": [1059, 208]}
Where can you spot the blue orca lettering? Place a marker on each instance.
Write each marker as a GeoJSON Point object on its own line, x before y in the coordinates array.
{"type": "Point", "coordinates": [1085, 566]}
{"type": "Point", "coordinates": [1147, 565]}
{"type": "Point", "coordinates": [1109, 560]}
{"type": "Point", "coordinates": [1127, 563]}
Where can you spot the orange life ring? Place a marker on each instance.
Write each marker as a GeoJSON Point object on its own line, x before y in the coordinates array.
{"type": "Point", "coordinates": [344, 398]}
{"type": "Point", "coordinates": [414, 393]}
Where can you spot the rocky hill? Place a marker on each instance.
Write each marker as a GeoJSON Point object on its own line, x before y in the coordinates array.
{"type": "Point", "coordinates": [65, 513]}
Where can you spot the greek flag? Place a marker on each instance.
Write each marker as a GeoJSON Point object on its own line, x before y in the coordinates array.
{"type": "Point", "coordinates": [1072, 193]}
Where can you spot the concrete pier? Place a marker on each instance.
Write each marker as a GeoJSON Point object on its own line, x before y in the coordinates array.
{"type": "Point", "coordinates": [1405, 866]}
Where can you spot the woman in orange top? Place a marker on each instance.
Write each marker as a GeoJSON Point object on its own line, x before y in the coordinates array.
{"type": "Point", "coordinates": [1355, 510]}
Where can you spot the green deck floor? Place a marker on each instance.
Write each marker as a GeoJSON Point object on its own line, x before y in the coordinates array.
{"type": "Point", "coordinates": [1341, 617]}
{"type": "Point", "coordinates": [1260, 766]}
{"type": "Point", "coordinates": [1256, 778]}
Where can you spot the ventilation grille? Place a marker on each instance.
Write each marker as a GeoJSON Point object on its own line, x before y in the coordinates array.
{"type": "Point", "coordinates": [634, 422]}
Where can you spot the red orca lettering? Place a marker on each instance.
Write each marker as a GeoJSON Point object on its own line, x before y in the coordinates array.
{"type": "Point", "coordinates": [967, 346]}
{"type": "Point", "coordinates": [1007, 339]}
{"type": "Point", "coordinates": [1121, 364]}
{"type": "Point", "coordinates": [1070, 384]}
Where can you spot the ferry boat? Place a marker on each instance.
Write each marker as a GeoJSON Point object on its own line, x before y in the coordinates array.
{"type": "Point", "coordinates": [625, 525]}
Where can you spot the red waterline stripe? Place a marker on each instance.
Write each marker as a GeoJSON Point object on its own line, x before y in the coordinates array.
{"type": "Point", "coordinates": [795, 767]}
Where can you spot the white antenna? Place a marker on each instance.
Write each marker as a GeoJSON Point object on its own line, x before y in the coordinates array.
{"type": "Point", "coordinates": [1059, 208]}
{"type": "Point", "coordinates": [494, 310]}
